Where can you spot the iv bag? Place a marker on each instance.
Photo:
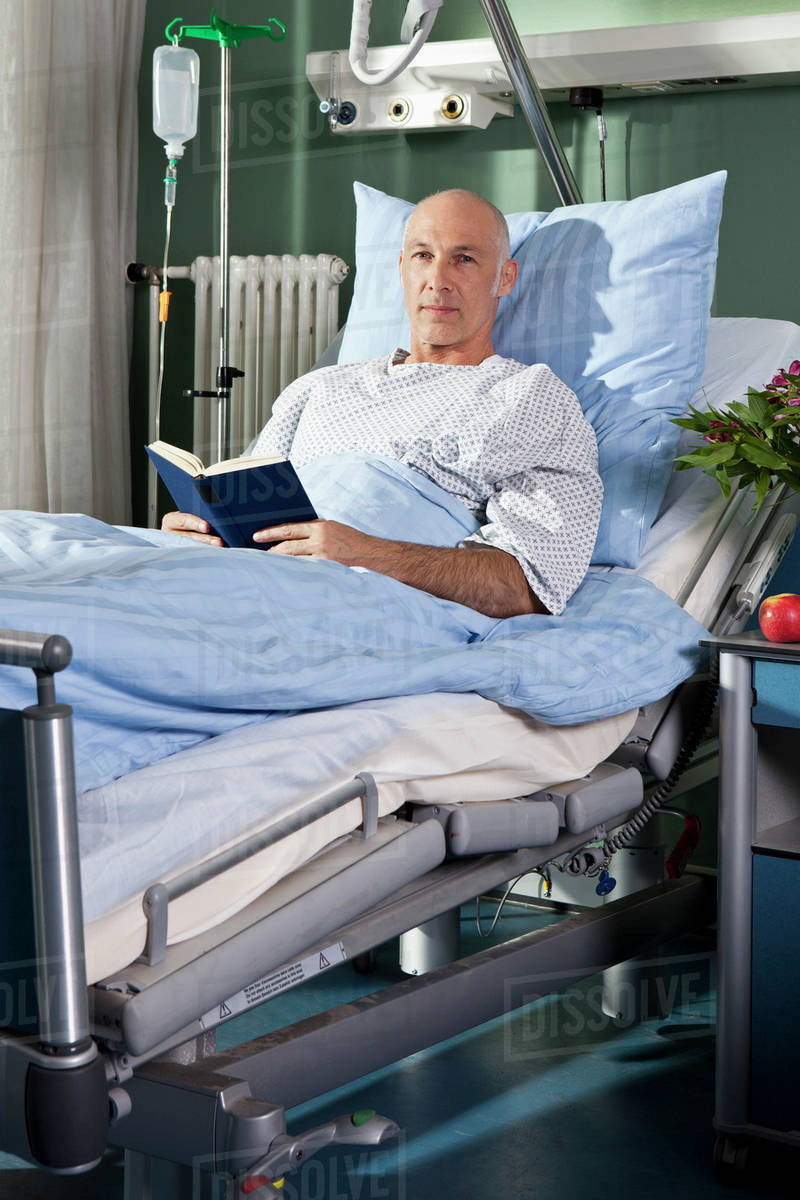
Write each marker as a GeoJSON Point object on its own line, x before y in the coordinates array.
{"type": "Point", "coordinates": [176, 86]}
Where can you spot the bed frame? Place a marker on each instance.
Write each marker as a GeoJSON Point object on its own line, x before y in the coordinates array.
{"type": "Point", "coordinates": [131, 1058]}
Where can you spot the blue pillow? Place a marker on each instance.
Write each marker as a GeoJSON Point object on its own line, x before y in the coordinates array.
{"type": "Point", "coordinates": [614, 297]}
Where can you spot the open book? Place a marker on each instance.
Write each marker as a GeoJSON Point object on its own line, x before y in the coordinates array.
{"type": "Point", "coordinates": [237, 496]}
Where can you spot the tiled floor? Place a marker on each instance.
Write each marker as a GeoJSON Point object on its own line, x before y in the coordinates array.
{"type": "Point", "coordinates": [553, 1101]}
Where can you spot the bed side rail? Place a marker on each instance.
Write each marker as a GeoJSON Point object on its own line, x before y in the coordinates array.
{"type": "Point", "coordinates": [54, 1097]}
{"type": "Point", "coordinates": [157, 897]}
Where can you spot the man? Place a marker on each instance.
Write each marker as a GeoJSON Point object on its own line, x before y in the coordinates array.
{"type": "Point", "coordinates": [509, 441]}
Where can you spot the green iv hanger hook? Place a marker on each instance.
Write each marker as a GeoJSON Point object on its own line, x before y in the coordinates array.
{"type": "Point", "coordinates": [228, 36]}
{"type": "Point", "coordinates": [226, 33]}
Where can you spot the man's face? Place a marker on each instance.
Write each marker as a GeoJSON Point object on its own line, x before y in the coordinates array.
{"type": "Point", "coordinates": [451, 272]}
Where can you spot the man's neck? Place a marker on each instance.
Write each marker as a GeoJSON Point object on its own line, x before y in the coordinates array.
{"type": "Point", "coordinates": [453, 356]}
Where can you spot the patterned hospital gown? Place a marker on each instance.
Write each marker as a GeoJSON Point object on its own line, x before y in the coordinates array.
{"type": "Point", "coordinates": [509, 441]}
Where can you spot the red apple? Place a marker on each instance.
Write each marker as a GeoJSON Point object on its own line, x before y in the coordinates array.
{"type": "Point", "coordinates": [779, 617]}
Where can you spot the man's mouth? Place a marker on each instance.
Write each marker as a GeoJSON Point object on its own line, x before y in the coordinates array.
{"type": "Point", "coordinates": [439, 310]}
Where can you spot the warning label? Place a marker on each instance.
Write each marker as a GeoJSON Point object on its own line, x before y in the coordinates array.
{"type": "Point", "coordinates": [271, 985]}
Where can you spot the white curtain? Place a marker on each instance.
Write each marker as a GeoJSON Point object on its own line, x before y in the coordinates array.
{"type": "Point", "coordinates": [68, 154]}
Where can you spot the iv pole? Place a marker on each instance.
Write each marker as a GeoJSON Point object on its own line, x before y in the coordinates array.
{"type": "Point", "coordinates": [228, 35]}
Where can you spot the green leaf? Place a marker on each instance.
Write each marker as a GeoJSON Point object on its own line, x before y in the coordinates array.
{"type": "Point", "coordinates": [698, 421]}
{"type": "Point", "coordinates": [760, 406]}
{"type": "Point", "coordinates": [723, 480]}
{"type": "Point", "coordinates": [761, 455]}
{"type": "Point", "coordinates": [737, 409]}
{"type": "Point", "coordinates": [763, 482]}
{"type": "Point", "coordinates": [710, 457]}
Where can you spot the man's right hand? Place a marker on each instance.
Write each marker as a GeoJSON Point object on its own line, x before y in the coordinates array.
{"type": "Point", "coordinates": [190, 526]}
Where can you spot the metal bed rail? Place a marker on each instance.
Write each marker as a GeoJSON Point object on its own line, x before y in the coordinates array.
{"type": "Point", "coordinates": [59, 1074]}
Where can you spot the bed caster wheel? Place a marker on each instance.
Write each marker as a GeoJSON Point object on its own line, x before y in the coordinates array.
{"type": "Point", "coordinates": [366, 963]}
{"type": "Point", "coordinates": [731, 1159]}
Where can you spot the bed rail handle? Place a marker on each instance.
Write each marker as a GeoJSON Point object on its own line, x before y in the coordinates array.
{"type": "Point", "coordinates": [48, 652]}
{"type": "Point", "coordinates": [157, 897]}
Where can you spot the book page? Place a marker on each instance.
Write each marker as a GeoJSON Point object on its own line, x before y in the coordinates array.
{"type": "Point", "coordinates": [240, 464]}
{"type": "Point", "coordinates": [180, 458]}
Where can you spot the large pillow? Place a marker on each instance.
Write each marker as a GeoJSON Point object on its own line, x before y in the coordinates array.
{"type": "Point", "coordinates": [614, 297]}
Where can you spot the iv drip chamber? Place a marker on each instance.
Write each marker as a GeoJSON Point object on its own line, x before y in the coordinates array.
{"type": "Point", "coordinates": [176, 87]}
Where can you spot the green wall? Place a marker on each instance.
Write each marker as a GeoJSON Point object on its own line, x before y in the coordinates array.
{"type": "Point", "coordinates": [291, 180]}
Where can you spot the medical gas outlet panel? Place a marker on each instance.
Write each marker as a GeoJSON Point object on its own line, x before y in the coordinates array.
{"type": "Point", "coordinates": [464, 84]}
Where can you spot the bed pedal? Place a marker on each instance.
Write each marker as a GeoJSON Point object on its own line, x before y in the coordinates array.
{"type": "Point", "coordinates": [362, 1128]}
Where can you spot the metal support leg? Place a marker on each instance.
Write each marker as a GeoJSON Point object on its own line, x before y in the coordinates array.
{"type": "Point", "coordinates": [737, 785]}
{"type": "Point", "coordinates": [638, 990]}
{"type": "Point", "coordinates": [156, 1179]}
{"type": "Point", "coordinates": [431, 945]}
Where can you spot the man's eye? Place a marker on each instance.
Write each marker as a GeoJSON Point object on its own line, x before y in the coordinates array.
{"type": "Point", "coordinates": [466, 258]}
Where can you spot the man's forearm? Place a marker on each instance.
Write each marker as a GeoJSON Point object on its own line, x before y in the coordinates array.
{"type": "Point", "coordinates": [486, 579]}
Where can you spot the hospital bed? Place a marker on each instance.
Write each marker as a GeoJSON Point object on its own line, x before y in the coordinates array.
{"type": "Point", "coordinates": [393, 814]}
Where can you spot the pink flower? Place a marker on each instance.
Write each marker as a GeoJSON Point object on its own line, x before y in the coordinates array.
{"type": "Point", "coordinates": [794, 368]}
{"type": "Point", "coordinates": [778, 381]}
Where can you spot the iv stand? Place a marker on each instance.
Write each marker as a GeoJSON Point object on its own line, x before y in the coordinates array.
{"type": "Point", "coordinates": [228, 35]}
{"type": "Point", "coordinates": [225, 373]}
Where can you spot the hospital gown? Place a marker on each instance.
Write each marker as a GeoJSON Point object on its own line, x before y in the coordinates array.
{"type": "Point", "coordinates": [507, 440]}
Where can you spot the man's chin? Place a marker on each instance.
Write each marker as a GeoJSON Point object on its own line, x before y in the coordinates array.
{"type": "Point", "coordinates": [440, 333]}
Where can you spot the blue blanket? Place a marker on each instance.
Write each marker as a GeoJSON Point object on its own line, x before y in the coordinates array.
{"type": "Point", "coordinates": [175, 642]}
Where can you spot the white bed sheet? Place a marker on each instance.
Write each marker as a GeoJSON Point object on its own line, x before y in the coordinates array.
{"type": "Point", "coordinates": [435, 748]}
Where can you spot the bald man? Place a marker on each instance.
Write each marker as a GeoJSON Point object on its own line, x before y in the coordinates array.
{"type": "Point", "coordinates": [507, 440]}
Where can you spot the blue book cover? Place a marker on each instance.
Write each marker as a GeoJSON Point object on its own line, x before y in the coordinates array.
{"type": "Point", "coordinates": [237, 497]}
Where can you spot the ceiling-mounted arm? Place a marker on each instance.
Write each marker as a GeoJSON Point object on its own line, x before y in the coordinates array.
{"type": "Point", "coordinates": [417, 24]}
{"type": "Point", "coordinates": [531, 100]}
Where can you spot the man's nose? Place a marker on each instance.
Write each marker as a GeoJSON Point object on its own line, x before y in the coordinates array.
{"type": "Point", "coordinates": [439, 277]}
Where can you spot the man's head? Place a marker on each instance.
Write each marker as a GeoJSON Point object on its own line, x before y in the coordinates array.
{"type": "Point", "coordinates": [454, 267]}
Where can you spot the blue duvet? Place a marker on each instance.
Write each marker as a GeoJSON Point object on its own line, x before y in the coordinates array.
{"type": "Point", "coordinates": [174, 642]}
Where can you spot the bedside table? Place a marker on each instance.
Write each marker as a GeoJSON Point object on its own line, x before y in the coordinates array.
{"type": "Point", "coordinates": [758, 1050]}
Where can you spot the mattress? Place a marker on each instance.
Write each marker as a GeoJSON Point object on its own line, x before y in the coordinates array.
{"type": "Point", "coordinates": [442, 747]}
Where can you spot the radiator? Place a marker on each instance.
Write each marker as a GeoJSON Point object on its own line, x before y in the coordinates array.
{"type": "Point", "coordinates": [283, 312]}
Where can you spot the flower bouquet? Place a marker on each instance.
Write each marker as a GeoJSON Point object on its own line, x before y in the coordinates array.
{"type": "Point", "coordinates": [754, 442]}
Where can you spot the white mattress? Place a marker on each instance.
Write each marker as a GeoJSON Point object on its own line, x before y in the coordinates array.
{"type": "Point", "coordinates": [158, 821]}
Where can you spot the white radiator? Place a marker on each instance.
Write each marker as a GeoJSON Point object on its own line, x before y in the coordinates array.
{"type": "Point", "coordinates": [283, 312]}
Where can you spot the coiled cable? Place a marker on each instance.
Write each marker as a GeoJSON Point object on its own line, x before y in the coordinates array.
{"type": "Point", "coordinates": [690, 743]}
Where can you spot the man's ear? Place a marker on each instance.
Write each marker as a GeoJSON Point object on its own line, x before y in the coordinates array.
{"type": "Point", "coordinates": [508, 277]}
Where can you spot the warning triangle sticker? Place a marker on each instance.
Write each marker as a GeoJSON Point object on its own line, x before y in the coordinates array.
{"type": "Point", "coordinates": [323, 962]}
{"type": "Point", "coordinates": [224, 1010]}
